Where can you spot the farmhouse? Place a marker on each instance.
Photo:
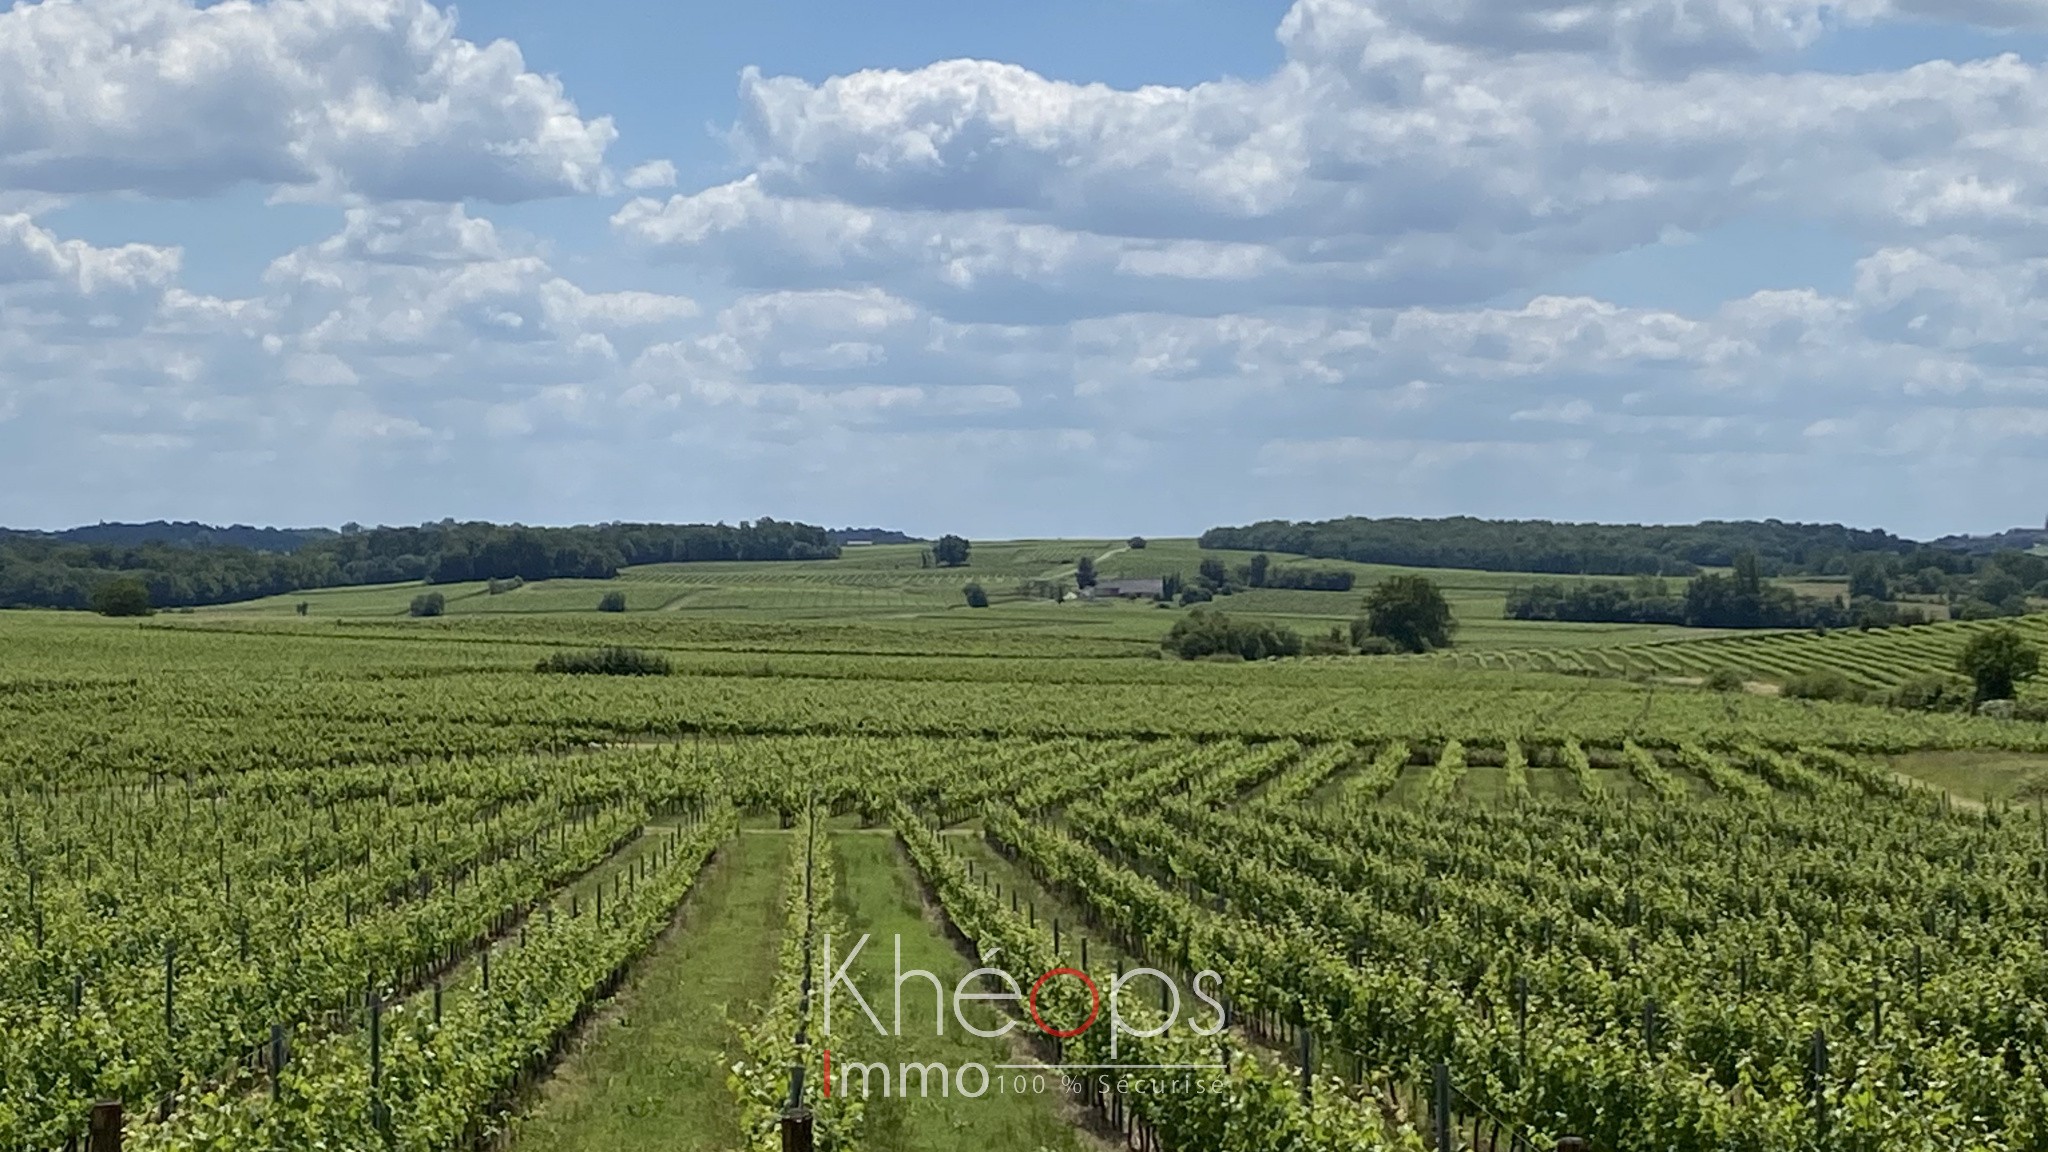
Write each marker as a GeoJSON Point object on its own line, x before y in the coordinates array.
{"type": "Point", "coordinates": [1128, 589]}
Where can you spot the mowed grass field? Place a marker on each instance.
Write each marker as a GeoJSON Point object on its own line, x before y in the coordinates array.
{"type": "Point", "coordinates": [892, 583]}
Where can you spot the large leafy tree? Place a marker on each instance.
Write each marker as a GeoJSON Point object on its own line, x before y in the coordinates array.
{"type": "Point", "coordinates": [1997, 661]}
{"type": "Point", "coordinates": [1409, 612]}
{"type": "Point", "coordinates": [123, 596]}
{"type": "Point", "coordinates": [951, 551]}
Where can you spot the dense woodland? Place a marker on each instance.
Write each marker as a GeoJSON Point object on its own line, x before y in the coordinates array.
{"type": "Point", "coordinates": [1880, 592]}
{"type": "Point", "coordinates": [1589, 549]}
{"type": "Point", "coordinates": [38, 570]}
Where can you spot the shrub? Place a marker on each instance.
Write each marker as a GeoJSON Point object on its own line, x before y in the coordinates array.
{"type": "Point", "coordinates": [977, 596]}
{"type": "Point", "coordinates": [1932, 692]}
{"type": "Point", "coordinates": [1205, 633]}
{"type": "Point", "coordinates": [1998, 661]}
{"type": "Point", "coordinates": [1820, 684]}
{"type": "Point", "coordinates": [612, 661]}
{"type": "Point", "coordinates": [1332, 643]}
{"type": "Point", "coordinates": [428, 604]}
{"type": "Point", "coordinates": [1725, 680]}
{"type": "Point", "coordinates": [123, 596]}
{"type": "Point", "coordinates": [613, 601]}
{"type": "Point", "coordinates": [500, 587]}
{"type": "Point", "coordinates": [1377, 646]}
{"type": "Point", "coordinates": [1137, 542]}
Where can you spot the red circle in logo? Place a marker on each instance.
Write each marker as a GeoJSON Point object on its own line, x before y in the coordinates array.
{"type": "Point", "coordinates": [1094, 1003]}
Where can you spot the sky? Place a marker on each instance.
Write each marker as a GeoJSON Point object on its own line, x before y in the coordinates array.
{"type": "Point", "coordinates": [1079, 267]}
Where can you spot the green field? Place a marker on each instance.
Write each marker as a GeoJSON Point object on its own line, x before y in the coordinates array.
{"type": "Point", "coordinates": [1879, 658]}
{"type": "Point", "coordinates": [488, 905]}
{"type": "Point", "coordinates": [885, 584]}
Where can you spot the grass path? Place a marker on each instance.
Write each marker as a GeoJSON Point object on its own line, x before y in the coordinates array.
{"type": "Point", "coordinates": [880, 895]}
{"type": "Point", "coordinates": [650, 1076]}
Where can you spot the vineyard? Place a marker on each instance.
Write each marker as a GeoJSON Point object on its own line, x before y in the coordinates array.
{"type": "Point", "coordinates": [1880, 658]}
{"type": "Point", "coordinates": [281, 884]}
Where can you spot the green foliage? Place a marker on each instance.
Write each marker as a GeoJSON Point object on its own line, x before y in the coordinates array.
{"type": "Point", "coordinates": [1820, 684]}
{"type": "Point", "coordinates": [499, 587]}
{"type": "Point", "coordinates": [1997, 661]}
{"type": "Point", "coordinates": [1932, 692]}
{"type": "Point", "coordinates": [1869, 578]}
{"type": "Point", "coordinates": [1136, 542]}
{"type": "Point", "coordinates": [613, 601]}
{"type": "Point", "coordinates": [1411, 612]}
{"type": "Point", "coordinates": [1332, 643]}
{"type": "Point", "coordinates": [977, 596]}
{"type": "Point", "coordinates": [189, 564]}
{"type": "Point", "coordinates": [428, 604]}
{"type": "Point", "coordinates": [1255, 571]}
{"type": "Point", "coordinates": [1368, 644]}
{"type": "Point", "coordinates": [609, 661]}
{"type": "Point", "coordinates": [126, 596]}
{"type": "Point", "coordinates": [1203, 633]}
{"type": "Point", "coordinates": [1084, 572]}
{"type": "Point", "coordinates": [1548, 546]}
{"type": "Point", "coordinates": [1724, 680]}
{"type": "Point", "coordinates": [951, 551]}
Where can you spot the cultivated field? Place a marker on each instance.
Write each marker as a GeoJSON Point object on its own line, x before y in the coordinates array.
{"type": "Point", "coordinates": [353, 880]}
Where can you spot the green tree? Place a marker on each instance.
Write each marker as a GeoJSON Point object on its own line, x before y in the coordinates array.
{"type": "Point", "coordinates": [1213, 574]}
{"type": "Point", "coordinates": [1084, 573]}
{"type": "Point", "coordinates": [428, 604]}
{"type": "Point", "coordinates": [1255, 572]}
{"type": "Point", "coordinates": [1137, 542]}
{"type": "Point", "coordinates": [1870, 580]}
{"type": "Point", "coordinates": [122, 596]}
{"type": "Point", "coordinates": [2003, 590]}
{"type": "Point", "coordinates": [1411, 612]}
{"type": "Point", "coordinates": [1205, 633]}
{"type": "Point", "coordinates": [1997, 661]}
{"type": "Point", "coordinates": [613, 601]}
{"type": "Point", "coordinates": [951, 551]}
{"type": "Point", "coordinates": [977, 596]}
{"type": "Point", "coordinates": [304, 607]}
{"type": "Point", "coordinates": [1749, 577]}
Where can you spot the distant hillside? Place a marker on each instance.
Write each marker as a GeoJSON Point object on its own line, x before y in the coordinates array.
{"type": "Point", "coordinates": [48, 571]}
{"type": "Point", "coordinates": [183, 534]}
{"type": "Point", "coordinates": [1565, 548]}
{"type": "Point", "coordinates": [2013, 540]}
{"type": "Point", "coordinates": [871, 536]}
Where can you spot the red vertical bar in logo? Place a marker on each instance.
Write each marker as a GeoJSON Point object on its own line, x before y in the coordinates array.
{"type": "Point", "coordinates": [828, 1073]}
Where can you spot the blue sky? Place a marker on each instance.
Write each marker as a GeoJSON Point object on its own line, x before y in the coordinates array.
{"type": "Point", "coordinates": [1068, 268]}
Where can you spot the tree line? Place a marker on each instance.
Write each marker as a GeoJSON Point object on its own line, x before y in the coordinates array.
{"type": "Point", "coordinates": [46, 572]}
{"type": "Point", "coordinates": [1739, 599]}
{"type": "Point", "coordinates": [1580, 549]}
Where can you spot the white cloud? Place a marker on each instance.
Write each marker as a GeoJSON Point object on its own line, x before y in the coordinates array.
{"type": "Point", "coordinates": [33, 256]}
{"type": "Point", "coordinates": [330, 98]}
{"type": "Point", "coordinates": [1406, 153]}
{"type": "Point", "coordinates": [651, 175]}
{"type": "Point", "coordinates": [1305, 294]}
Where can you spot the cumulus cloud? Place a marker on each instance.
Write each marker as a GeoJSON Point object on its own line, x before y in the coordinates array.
{"type": "Point", "coordinates": [969, 271]}
{"type": "Point", "coordinates": [651, 175]}
{"type": "Point", "coordinates": [370, 99]}
{"type": "Point", "coordinates": [1406, 152]}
